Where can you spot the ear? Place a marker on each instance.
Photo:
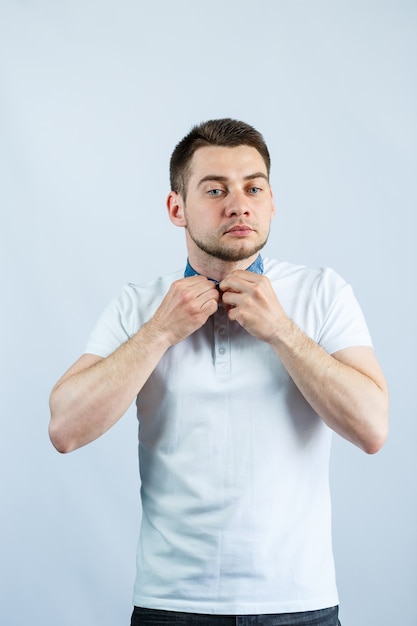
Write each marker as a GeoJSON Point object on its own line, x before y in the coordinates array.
{"type": "Point", "coordinates": [175, 206]}
{"type": "Point", "coordinates": [273, 204]}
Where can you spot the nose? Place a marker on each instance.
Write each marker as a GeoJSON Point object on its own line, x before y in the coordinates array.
{"type": "Point", "coordinates": [236, 204]}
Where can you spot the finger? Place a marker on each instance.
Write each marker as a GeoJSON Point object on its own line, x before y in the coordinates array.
{"type": "Point", "coordinates": [239, 280]}
{"type": "Point", "coordinates": [231, 298]}
{"type": "Point", "coordinates": [192, 282]}
{"type": "Point", "coordinates": [209, 293]}
{"type": "Point", "coordinates": [194, 286]}
{"type": "Point", "coordinates": [210, 306]}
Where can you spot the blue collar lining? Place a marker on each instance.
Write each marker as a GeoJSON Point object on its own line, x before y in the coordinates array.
{"type": "Point", "coordinates": [257, 267]}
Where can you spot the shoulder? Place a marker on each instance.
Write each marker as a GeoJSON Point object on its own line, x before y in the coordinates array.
{"type": "Point", "coordinates": [302, 275]}
{"type": "Point", "coordinates": [127, 312]}
{"type": "Point", "coordinates": [145, 294]}
{"type": "Point", "coordinates": [303, 289]}
{"type": "Point", "coordinates": [321, 303]}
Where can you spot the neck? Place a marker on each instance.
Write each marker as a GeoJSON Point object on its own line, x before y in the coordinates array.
{"type": "Point", "coordinates": [217, 269]}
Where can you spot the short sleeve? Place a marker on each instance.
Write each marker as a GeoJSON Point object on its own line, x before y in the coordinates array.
{"type": "Point", "coordinates": [341, 322]}
{"type": "Point", "coordinates": [118, 322]}
{"type": "Point", "coordinates": [127, 313]}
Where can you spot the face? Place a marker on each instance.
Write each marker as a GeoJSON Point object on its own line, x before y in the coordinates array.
{"type": "Point", "coordinates": [229, 206]}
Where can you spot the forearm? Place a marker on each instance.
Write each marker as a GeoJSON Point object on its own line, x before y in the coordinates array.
{"type": "Point", "coordinates": [86, 403]}
{"type": "Point", "coordinates": [95, 393]}
{"type": "Point", "coordinates": [349, 401]}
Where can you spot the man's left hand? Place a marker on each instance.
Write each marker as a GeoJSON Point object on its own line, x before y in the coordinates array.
{"type": "Point", "coordinates": [251, 301]}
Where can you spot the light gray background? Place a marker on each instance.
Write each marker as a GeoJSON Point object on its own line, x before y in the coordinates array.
{"type": "Point", "coordinates": [93, 97]}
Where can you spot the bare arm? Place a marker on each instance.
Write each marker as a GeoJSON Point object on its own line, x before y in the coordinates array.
{"type": "Point", "coordinates": [95, 392]}
{"type": "Point", "coordinates": [346, 389]}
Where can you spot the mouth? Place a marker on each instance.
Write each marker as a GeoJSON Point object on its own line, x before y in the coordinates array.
{"type": "Point", "coordinates": [240, 230]}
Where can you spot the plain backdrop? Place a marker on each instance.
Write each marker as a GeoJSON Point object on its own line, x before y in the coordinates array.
{"type": "Point", "coordinates": [94, 95]}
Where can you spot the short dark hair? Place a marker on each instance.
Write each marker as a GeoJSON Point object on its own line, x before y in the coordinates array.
{"type": "Point", "coordinates": [223, 132]}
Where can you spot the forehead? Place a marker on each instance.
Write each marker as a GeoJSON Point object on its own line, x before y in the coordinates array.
{"type": "Point", "coordinates": [233, 162]}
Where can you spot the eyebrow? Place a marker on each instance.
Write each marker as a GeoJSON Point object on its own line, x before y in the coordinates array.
{"type": "Point", "coordinates": [224, 179]}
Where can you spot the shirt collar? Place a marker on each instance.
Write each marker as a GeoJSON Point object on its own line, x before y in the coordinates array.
{"type": "Point", "coordinates": [257, 267]}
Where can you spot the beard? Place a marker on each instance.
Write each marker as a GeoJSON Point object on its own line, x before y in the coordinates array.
{"type": "Point", "coordinates": [212, 247]}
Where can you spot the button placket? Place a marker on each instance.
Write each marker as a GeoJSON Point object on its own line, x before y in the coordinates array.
{"type": "Point", "coordinates": [222, 354]}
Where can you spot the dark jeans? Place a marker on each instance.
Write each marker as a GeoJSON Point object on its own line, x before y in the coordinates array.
{"type": "Point", "coordinates": [154, 617]}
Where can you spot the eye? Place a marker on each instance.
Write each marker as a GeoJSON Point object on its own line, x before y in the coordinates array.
{"type": "Point", "coordinates": [254, 190]}
{"type": "Point", "coordinates": [215, 192]}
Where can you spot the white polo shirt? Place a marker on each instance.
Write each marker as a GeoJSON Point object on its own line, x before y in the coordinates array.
{"type": "Point", "coordinates": [233, 461]}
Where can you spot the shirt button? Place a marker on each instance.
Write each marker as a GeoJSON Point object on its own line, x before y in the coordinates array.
{"type": "Point", "coordinates": [222, 331]}
{"type": "Point", "coordinates": [222, 350]}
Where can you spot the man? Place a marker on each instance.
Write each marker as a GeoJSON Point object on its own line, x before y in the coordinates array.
{"type": "Point", "coordinates": [242, 367]}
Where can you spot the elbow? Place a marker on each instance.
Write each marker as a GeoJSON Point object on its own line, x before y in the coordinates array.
{"type": "Point", "coordinates": [377, 437]}
{"type": "Point", "coordinates": [58, 439]}
{"type": "Point", "coordinates": [378, 426]}
{"type": "Point", "coordinates": [374, 444]}
{"type": "Point", "coordinates": [58, 433]}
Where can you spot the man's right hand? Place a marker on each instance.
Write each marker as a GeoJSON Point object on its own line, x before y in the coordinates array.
{"type": "Point", "coordinates": [186, 308]}
{"type": "Point", "coordinates": [95, 392]}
